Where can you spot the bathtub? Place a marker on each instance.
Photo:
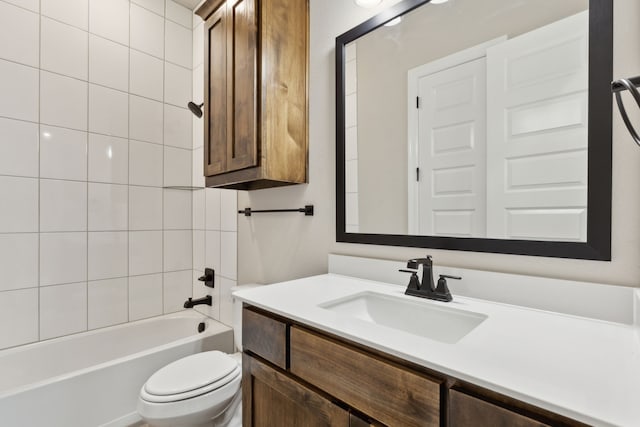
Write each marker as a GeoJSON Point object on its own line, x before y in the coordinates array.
{"type": "Point", "coordinates": [93, 378]}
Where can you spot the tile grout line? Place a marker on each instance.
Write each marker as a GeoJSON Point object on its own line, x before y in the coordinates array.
{"type": "Point", "coordinates": [129, 171]}
{"type": "Point", "coordinates": [87, 158]}
{"type": "Point", "coordinates": [39, 275]}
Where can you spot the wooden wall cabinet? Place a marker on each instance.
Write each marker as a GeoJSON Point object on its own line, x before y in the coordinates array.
{"type": "Point", "coordinates": [323, 380]}
{"type": "Point", "coordinates": [256, 93]}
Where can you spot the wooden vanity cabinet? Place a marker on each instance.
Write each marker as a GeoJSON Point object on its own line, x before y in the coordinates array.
{"type": "Point", "coordinates": [255, 102]}
{"type": "Point", "coordinates": [294, 375]}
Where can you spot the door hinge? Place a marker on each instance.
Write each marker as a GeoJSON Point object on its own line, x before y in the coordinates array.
{"type": "Point", "coordinates": [417, 174]}
{"type": "Point", "coordinates": [417, 102]}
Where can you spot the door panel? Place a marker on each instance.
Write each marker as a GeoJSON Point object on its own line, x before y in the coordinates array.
{"type": "Point", "coordinates": [537, 134]}
{"type": "Point", "coordinates": [242, 63]}
{"type": "Point", "coordinates": [215, 142]}
{"type": "Point", "coordinates": [451, 138]}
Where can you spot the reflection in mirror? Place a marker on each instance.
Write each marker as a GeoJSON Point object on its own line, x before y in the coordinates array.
{"type": "Point", "coordinates": [469, 119]}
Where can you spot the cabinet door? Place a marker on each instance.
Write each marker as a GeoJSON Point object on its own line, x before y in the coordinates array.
{"type": "Point", "coordinates": [215, 97]}
{"type": "Point", "coordinates": [271, 398]}
{"type": "Point", "coordinates": [242, 87]}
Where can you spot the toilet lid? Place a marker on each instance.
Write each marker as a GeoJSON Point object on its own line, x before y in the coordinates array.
{"type": "Point", "coordinates": [192, 373]}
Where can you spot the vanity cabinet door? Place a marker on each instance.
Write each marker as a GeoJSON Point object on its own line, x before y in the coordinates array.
{"type": "Point", "coordinates": [271, 398]}
{"type": "Point", "coordinates": [469, 411]}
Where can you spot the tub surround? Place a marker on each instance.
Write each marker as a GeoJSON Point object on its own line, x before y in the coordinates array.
{"type": "Point", "coordinates": [583, 368]}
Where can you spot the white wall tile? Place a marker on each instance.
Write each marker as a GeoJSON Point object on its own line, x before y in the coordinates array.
{"type": "Point", "coordinates": [33, 5]}
{"type": "Point", "coordinates": [63, 101]}
{"type": "Point", "coordinates": [19, 261]}
{"type": "Point", "coordinates": [108, 159]}
{"type": "Point", "coordinates": [145, 119]}
{"type": "Point", "coordinates": [19, 89]}
{"type": "Point", "coordinates": [72, 12]}
{"type": "Point", "coordinates": [146, 75]}
{"type": "Point", "coordinates": [145, 164]}
{"type": "Point", "coordinates": [156, 6]}
{"type": "Point", "coordinates": [145, 208]}
{"type": "Point", "coordinates": [199, 250]}
{"type": "Point", "coordinates": [177, 250]}
{"type": "Point", "coordinates": [177, 210]}
{"type": "Point", "coordinates": [197, 94]}
{"type": "Point", "coordinates": [351, 144]}
{"type": "Point", "coordinates": [54, 321]}
{"type": "Point", "coordinates": [213, 206]}
{"type": "Point", "coordinates": [196, 20]}
{"type": "Point", "coordinates": [108, 63]}
{"type": "Point", "coordinates": [107, 303]}
{"type": "Point", "coordinates": [63, 153]}
{"type": "Point", "coordinates": [228, 210]}
{"type": "Point", "coordinates": [212, 250]}
{"type": "Point", "coordinates": [108, 207]}
{"type": "Point", "coordinates": [197, 172]}
{"type": "Point", "coordinates": [18, 317]}
{"type": "Point", "coordinates": [177, 289]}
{"type": "Point", "coordinates": [179, 14]}
{"type": "Point", "coordinates": [177, 167]}
{"type": "Point", "coordinates": [63, 258]}
{"type": "Point", "coordinates": [108, 111]}
{"type": "Point", "coordinates": [177, 85]}
{"type": "Point", "coordinates": [198, 132]}
{"type": "Point", "coordinates": [351, 176]}
{"type": "Point", "coordinates": [65, 49]}
{"type": "Point", "coordinates": [177, 127]}
{"type": "Point", "coordinates": [110, 19]}
{"type": "Point", "coordinates": [178, 48]}
{"type": "Point", "coordinates": [107, 255]}
{"type": "Point", "coordinates": [228, 254]}
{"type": "Point", "coordinates": [145, 252]}
{"type": "Point", "coordinates": [68, 216]}
{"type": "Point", "coordinates": [226, 301]}
{"type": "Point", "coordinates": [145, 296]}
{"type": "Point", "coordinates": [198, 45]}
{"type": "Point", "coordinates": [18, 148]}
{"type": "Point", "coordinates": [147, 31]}
{"type": "Point", "coordinates": [198, 210]}
{"type": "Point", "coordinates": [19, 207]}
{"type": "Point", "coordinates": [19, 29]}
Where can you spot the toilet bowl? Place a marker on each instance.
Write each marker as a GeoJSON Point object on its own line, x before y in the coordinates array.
{"type": "Point", "coordinates": [202, 389]}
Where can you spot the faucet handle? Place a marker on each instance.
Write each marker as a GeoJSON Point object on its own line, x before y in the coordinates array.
{"type": "Point", "coordinates": [442, 287]}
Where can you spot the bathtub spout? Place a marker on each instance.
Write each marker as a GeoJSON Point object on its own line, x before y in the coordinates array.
{"type": "Point", "coordinates": [192, 302]}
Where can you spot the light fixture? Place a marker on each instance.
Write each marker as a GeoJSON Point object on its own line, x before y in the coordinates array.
{"type": "Point", "coordinates": [394, 21]}
{"type": "Point", "coordinates": [368, 3]}
{"type": "Point", "coordinates": [438, 1]}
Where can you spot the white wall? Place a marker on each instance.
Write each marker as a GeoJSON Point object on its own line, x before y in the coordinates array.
{"type": "Point", "coordinates": [280, 247]}
{"type": "Point", "coordinates": [93, 123]}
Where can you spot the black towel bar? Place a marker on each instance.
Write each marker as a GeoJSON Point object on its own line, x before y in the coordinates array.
{"type": "Point", "coordinates": [307, 210]}
{"type": "Point", "coordinates": [631, 85]}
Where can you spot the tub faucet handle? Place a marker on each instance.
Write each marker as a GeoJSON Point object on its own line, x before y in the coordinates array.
{"type": "Point", "coordinates": [209, 277]}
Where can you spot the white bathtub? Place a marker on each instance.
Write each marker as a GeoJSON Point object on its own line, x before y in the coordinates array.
{"type": "Point", "coordinates": [93, 378]}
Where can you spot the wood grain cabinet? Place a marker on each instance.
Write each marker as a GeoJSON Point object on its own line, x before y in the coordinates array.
{"type": "Point", "coordinates": [256, 89]}
{"type": "Point", "coordinates": [294, 375]}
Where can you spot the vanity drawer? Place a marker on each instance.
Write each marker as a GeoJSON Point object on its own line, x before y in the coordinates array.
{"type": "Point", "coordinates": [469, 411]}
{"type": "Point", "coordinates": [265, 337]}
{"type": "Point", "coordinates": [380, 389]}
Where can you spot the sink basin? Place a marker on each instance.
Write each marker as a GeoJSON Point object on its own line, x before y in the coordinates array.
{"type": "Point", "coordinates": [420, 318]}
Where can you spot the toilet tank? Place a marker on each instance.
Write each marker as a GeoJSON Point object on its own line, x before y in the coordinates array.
{"type": "Point", "coordinates": [237, 314]}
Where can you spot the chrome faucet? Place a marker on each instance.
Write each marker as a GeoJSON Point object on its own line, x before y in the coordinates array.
{"type": "Point", "coordinates": [425, 288]}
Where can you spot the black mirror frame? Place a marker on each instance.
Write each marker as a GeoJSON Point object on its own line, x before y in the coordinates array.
{"type": "Point", "coordinates": [598, 244]}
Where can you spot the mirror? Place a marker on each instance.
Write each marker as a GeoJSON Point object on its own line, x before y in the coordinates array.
{"type": "Point", "coordinates": [477, 125]}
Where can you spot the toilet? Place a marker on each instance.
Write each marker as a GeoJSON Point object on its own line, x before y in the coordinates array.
{"type": "Point", "coordinates": [202, 389]}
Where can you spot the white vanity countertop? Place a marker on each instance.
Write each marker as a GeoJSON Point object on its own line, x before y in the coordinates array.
{"type": "Point", "coordinates": [585, 369]}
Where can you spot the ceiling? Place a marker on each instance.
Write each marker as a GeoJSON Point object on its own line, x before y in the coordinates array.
{"type": "Point", "coordinates": [190, 4]}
